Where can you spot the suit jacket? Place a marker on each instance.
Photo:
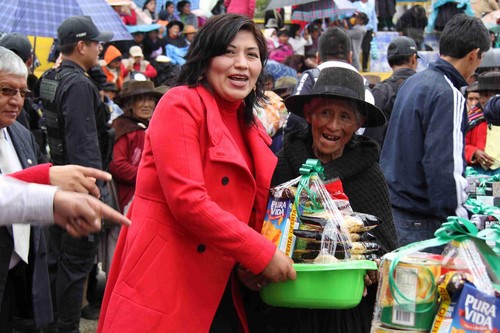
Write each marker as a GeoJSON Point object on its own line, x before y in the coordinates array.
{"type": "Point", "coordinates": [197, 211]}
{"type": "Point", "coordinates": [26, 149]}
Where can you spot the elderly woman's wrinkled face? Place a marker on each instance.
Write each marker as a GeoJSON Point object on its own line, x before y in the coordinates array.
{"type": "Point", "coordinates": [333, 123]}
{"type": "Point", "coordinates": [233, 75]}
{"type": "Point", "coordinates": [143, 106]}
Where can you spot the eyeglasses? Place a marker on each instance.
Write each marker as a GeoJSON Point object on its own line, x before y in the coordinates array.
{"type": "Point", "coordinates": [6, 91]}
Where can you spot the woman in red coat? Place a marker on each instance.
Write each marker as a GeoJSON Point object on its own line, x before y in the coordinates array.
{"type": "Point", "coordinates": [200, 198]}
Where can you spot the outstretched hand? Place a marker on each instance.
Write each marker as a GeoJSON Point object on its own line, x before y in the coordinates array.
{"type": "Point", "coordinates": [76, 178]}
{"type": "Point", "coordinates": [80, 214]}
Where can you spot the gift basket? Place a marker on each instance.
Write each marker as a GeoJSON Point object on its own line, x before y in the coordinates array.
{"type": "Point", "coordinates": [455, 292]}
{"type": "Point", "coordinates": [305, 223]}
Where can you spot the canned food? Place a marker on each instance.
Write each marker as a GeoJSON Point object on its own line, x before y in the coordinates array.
{"type": "Point", "coordinates": [412, 302]}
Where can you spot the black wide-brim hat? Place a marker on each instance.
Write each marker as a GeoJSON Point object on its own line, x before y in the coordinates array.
{"type": "Point", "coordinates": [344, 83]}
{"type": "Point", "coordinates": [178, 23]}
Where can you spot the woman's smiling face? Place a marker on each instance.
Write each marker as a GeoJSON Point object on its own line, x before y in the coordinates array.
{"type": "Point", "coordinates": [233, 74]}
{"type": "Point", "coordinates": [333, 123]}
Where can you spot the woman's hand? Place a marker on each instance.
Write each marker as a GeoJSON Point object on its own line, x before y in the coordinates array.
{"type": "Point", "coordinates": [249, 280]}
{"type": "Point", "coordinates": [280, 268]}
{"type": "Point", "coordinates": [484, 159]}
{"type": "Point", "coordinates": [371, 277]}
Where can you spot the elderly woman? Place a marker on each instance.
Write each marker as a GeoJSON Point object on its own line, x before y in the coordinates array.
{"type": "Point", "coordinates": [201, 197]}
{"type": "Point", "coordinates": [335, 109]}
{"type": "Point", "coordinates": [137, 100]}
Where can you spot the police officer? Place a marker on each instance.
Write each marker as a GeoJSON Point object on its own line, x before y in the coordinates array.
{"type": "Point", "coordinates": [76, 126]}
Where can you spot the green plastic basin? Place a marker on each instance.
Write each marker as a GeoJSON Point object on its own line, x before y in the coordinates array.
{"type": "Point", "coordinates": [321, 286]}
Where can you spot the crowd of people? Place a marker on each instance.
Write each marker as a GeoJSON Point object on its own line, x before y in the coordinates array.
{"type": "Point", "coordinates": [195, 119]}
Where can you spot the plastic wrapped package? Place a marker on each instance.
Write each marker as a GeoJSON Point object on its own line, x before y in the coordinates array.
{"type": "Point", "coordinates": [409, 297]}
{"type": "Point", "coordinates": [303, 221]}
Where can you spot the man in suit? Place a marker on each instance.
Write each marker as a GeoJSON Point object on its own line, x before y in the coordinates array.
{"type": "Point", "coordinates": [24, 280]}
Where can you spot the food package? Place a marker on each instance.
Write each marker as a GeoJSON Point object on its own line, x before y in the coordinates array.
{"type": "Point", "coordinates": [465, 309]}
{"type": "Point", "coordinates": [302, 219]}
{"type": "Point", "coordinates": [409, 295]}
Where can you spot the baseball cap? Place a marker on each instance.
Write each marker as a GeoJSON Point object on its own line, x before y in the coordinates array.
{"type": "Point", "coordinates": [401, 46]}
{"type": "Point", "coordinates": [77, 28]}
{"type": "Point", "coordinates": [19, 44]}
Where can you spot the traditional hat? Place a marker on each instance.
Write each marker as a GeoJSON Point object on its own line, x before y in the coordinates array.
{"type": "Point", "coordinates": [178, 23]}
{"type": "Point", "coordinates": [134, 88]}
{"type": "Point", "coordinates": [339, 82]}
{"type": "Point", "coordinates": [190, 29]}
{"type": "Point", "coordinates": [488, 81]}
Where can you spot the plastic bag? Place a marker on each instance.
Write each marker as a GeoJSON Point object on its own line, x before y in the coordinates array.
{"type": "Point", "coordinates": [407, 297]}
{"type": "Point", "coordinates": [304, 222]}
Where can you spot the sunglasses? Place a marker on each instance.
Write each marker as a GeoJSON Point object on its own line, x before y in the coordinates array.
{"type": "Point", "coordinates": [6, 91]}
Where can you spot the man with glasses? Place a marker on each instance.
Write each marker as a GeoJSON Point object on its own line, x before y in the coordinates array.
{"type": "Point", "coordinates": [31, 114]}
{"type": "Point", "coordinates": [23, 267]}
{"type": "Point", "coordinates": [76, 127]}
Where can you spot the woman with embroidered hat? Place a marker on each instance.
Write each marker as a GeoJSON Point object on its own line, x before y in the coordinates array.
{"type": "Point", "coordinates": [137, 100]}
{"type": "Point", "coordinates": [334, 110]}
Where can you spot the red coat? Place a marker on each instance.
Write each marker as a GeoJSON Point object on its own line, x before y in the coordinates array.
{"type": "Point", "coordinates": [127, 153]}
{"type": "Point", "coordinates": [195, 213]}
{"type": "Point", "coordinates": [475, 139]}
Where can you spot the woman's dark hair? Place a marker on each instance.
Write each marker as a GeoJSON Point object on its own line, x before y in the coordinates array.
{"type": "Point", "coordinates": [181, 5]}
{"type": "Point", "coordinates": [283, 32]}
{"type": "Point", "coordinates": [146, 3]}
{"type": "Point", "coordinates": [211, 41]}
{"type": "Point", "coordinates": [292, 31]}
{"type": "Point", "coordinates": [463, 34]}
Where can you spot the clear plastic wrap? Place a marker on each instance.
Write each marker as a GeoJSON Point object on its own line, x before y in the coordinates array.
{"type": "Point", "coordinates": [408, 296]}
{"type": "Point", "coordinates": [310, 226]}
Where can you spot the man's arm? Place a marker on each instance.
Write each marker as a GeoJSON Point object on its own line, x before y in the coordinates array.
{"type": "Point", "coordinates": [79, 214]}
{"type": "Point", "coordinates": [443, 159]}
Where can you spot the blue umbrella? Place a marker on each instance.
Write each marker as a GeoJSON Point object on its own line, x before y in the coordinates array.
{"type": "Point", "coordinates": [42, 17]}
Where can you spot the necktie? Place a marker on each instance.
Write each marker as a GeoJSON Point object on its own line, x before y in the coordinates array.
{"type": "Point", "coordinates": [20, 232]}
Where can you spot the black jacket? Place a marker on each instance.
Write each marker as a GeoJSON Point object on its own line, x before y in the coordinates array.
{"type": "Point", "coordinates": [384, 94]}
{"type": "Point", "coordinates": [358, 170]}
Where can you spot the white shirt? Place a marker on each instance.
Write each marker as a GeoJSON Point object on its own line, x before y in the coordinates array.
{"type": "Point", "coordinates": [25, 203]}
{"type": "Point", "coordinates": [298, 44]}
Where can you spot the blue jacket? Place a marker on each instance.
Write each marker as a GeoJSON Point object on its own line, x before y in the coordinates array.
{"type": "Point", "coordinates": [423, 155]}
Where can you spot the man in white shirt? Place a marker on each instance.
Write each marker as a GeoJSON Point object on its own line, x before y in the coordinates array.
{"type": "Point", "coordinates": [79, 214]}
